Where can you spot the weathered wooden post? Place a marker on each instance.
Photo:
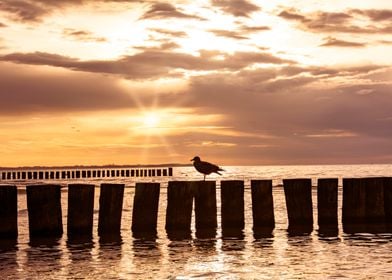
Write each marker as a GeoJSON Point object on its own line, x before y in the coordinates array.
{"type": "Point", "coordinates": [44, 210]}
{"type": "Point", "coordinates": [8, 212]}
{"type": "Point", "coordinates": [354, 205]}
{"type": "Point", "coordinates": [41, 175]}
{"type": "Point", "coordinates": [262, 208]}
{"type": "Point", "coordinates": [205, 208]}
{"type": "Point", "coordinates": [327, 205]}
{"type": "Point", "coordinates": [110, 209]}
{"type": "Point", "coordinates": [298, 194]}
{"type": "Point", "coordinates": [80, 209]}
{"type": "Point", "coordinates": [375, 211]}
{"type": "Point", "coordinates": [232, 208]}
{"type": "Point", "coordinates": [164, 172]}
{"type": "Point", "coordinates": [179, 209]}
{"type": "Point", "coordinates": [159, 172]}
{"type": "Point", "coordinates": [137, 173]}
{"type": "Point", "coordinates": [23, 175]}
{"type": "Point", "coordinates": [145, 209]}
{"type": "Point", "coordinates": [127, 173]}
{"type": "Point", "coordinates": [132, 173]}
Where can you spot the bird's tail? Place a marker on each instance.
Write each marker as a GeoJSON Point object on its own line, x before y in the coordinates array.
{"type": "Point", "coordinates": [220, 169]}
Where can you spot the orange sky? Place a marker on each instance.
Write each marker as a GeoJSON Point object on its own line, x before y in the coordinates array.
{"type": "Point", "coordinates": [233, 81]}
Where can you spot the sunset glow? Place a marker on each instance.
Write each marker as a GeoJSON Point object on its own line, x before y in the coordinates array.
{"type": "Point", "coordinates": [238, 82]}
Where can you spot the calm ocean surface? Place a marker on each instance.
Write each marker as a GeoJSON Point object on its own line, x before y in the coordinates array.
{"type": "Point", "coordinates": [359, 256]}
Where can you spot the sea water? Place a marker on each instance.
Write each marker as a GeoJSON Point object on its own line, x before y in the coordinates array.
{"type": "Point", "coordinates": [354, 256]}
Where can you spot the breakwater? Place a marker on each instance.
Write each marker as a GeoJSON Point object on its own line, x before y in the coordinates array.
{"type": "Point", "coordinates": [82, 173]}
{"type": "Point", "coordinates": [366, 208]}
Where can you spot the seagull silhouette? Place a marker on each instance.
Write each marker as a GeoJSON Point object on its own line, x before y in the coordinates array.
{"type": "Point", "coordinates": [204, 167]}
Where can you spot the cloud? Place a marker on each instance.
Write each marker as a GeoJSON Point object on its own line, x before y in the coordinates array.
{"type": "Point", "coordinates": [166, 10]}
{"type": "Point", "coordinates": [149, 63]}
{"type": "Point", "coordinates": [333, 42]}
{"type": "Point", "coordinates": [305, 121]}
{"type": "Point", "coordinates": [34, 89]}
{"type": "Point", "coordinates": [166, 45]}
{"type": "Point", "coordinates": [252, 29]}
{"type": "Point", "coordinates": [376, 15]}
{"type": "Point", "coordinates": [238, 8]}
{"type": "Point", "coordinates": [228, 34]}
{"type": "Point", "coordinates": [83, 35]}
{"type": "Point", "coordinates": [171, 33]}
{"type": "Point", "coordinates": [3, 25]}
{"type": "Point", "coordinates": [349, 21]}
{"type": "Point", "coordinates": [36, 10]}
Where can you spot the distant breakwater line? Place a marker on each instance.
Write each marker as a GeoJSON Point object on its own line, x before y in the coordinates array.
{"type": "Point", "coordinates": [367, 207]}
{"type": "Point", "coordinates": [83, 173]}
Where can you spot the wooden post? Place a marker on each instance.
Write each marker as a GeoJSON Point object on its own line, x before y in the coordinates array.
{"type": "Point", "coordinates": [137, 173]}
{"type": "Point", "coordinates": [164, 172]}
{"type": "Point", "coordinates": [110, 209]}
{"type": "Point", "coordinates": [205, 208]}
{"type": "Point", "coordinates": [113, 173]}
{"type": "Point", "coordinates": [57, 174]}
{"type": "Point", "coordinates": [354, 204]}
{"type": "Point", "coordinates": [8, 212]}
{"type": "Point", "coordinates": [153, 173]}
{"type": "Point", "coordinates": [41, 175]}
{"type": "Point", "coordinates": [117, 173]}
{"type": "Point", "coordinates": [159, 172]}
{"type": "Point", "coordinates": [80, 209]}
{"type": "Point", "coordinates": [44, 210]}
{"type": "Point", "coordinates": [84, 174]}
{"type": "Point", "coordinates": [262, 208]}
{"type": "Point", "coordinates": [179, 209]}
{"type": "Point", "coordinates": [23, 175]}
{"type": "Point", "coordinates": [127, 173]}
{"type": "Point", "coordinates": [170, 171]}
{"type": "Point", "coordinates": [327, 205]}
{"type": "Point", "coordinates": [375, 211]}
{"type": "Point", "coordinates": [232, 209]}
{"type": "Point", "coordinates": [145, 209]}
{"type": "Point", "coordinates": [132, 173]}
{"type": "Point", "coordinates": [298, 194]}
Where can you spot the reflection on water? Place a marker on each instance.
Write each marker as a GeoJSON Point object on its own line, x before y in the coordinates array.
{"type": "Point", "coordinates": [264, 253]}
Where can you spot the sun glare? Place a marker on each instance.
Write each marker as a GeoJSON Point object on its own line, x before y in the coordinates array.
{"type": "Point", "coordinates": [151, 120]}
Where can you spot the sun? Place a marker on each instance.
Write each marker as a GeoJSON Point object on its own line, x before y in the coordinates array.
{"type": "Point", "coordinates": [151, 120]}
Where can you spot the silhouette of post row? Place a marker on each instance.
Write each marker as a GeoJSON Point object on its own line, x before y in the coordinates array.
{"type": "Point", "coordinates": [367, 207]}
{"type": "Point", "coordinates": [58, 174]}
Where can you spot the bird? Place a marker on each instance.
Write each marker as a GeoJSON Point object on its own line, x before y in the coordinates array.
{"type": "Point", "coordinates": [205, 168]}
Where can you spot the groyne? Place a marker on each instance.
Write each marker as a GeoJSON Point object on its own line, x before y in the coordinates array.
{"type": "Point", "coordinates": [367, 207]}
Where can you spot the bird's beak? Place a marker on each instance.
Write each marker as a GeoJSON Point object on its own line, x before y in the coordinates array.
{"type": "Point", "coordinates": [192, 159]}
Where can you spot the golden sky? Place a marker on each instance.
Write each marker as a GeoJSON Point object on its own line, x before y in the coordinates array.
{"type": "Point", "coordinates": [234, 81]}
